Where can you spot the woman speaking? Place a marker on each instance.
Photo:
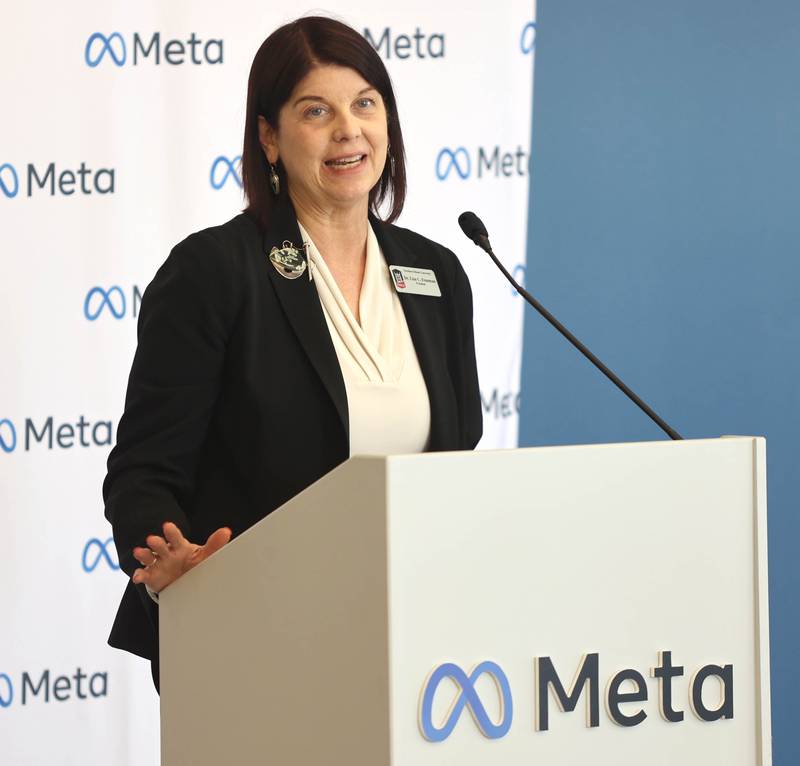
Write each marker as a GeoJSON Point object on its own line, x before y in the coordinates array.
{"type": "Point", "coordinates": [275, 346]}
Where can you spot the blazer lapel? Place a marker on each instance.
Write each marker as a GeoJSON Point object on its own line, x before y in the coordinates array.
{"type": "Point", "coordinates": [425, 317]}
{"type": "Point", "coordinates": [301, 304]}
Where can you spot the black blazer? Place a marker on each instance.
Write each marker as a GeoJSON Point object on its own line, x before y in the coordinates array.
{"type": "Point", "coordinates": [236, 400]}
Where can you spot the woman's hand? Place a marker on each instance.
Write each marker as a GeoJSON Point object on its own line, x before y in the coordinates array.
{"type": "Point", "coordinates": [167, 558]}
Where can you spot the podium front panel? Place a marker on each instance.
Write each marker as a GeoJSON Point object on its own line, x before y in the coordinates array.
{"type": "Point", "coordinates": [638, 571]}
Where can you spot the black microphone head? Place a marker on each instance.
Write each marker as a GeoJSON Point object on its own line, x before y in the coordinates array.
{"type": "Point", "coordinates": [473, 227]}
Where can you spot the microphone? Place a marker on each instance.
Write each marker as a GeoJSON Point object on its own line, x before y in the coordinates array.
{"type": "Point", "coordinates": [473, 227]}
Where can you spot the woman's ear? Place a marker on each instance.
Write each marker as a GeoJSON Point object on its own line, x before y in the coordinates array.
{"type": "Point", "coordinates": [268, 139]}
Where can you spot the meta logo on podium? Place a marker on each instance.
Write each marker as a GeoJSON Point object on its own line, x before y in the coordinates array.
{"type": "Point", "coordinates": [113, 49]}
{"type": "Point", "coordinates": [467, 697]}
{"type": "Point", "coordinates": [586, 679]}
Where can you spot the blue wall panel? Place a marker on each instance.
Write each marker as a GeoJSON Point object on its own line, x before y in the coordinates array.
{"type": "Point", "coordinates": [665, 231]}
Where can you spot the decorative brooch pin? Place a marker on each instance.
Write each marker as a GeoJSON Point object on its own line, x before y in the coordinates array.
{"type": "Point", "coordinates": [288, 261]}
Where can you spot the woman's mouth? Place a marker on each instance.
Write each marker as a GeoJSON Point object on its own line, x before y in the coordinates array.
{"type": "Point", "coordinates": [344, 163]}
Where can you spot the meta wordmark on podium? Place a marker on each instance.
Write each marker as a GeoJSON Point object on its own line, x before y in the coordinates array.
{"type": "Point", "coordinates": [586, 678]}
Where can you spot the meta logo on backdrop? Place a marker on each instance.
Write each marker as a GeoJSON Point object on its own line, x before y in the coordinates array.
{"type": "Point", "coordinates": [56, 180]}
{"type": "Point", "coordinates": [97, 552]}
{"type": "Point", "coordinates": [483, 162]}
{"type": "Point", "coordinates": [527, 39]}
{"type": "Point", "coordinates": [113, 50]}
{"type": "Point", "coordinates": [224, 169]}
{"type": "Point", "coordinates": [47, 433]}
{"type": "Point", "coordinates": [9, 180]}
{"type": "Point", "coordinates": [500, 404]}
{"type": "Point", "coordinates": [8, 435]}
{"type": "Point", "coordinates": [111, 302]}
{"type": "Point", "coordinates": [626, 687]}
{"type": "Point", "coordinates": [6, 690]}
{"type": "Point", "coordinates": [419, 45]}
{"type": "Point", "coordinates": [47, 687]}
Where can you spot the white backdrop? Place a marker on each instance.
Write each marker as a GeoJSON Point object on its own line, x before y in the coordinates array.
{"type": "Point", "coordinates": [114, 145]}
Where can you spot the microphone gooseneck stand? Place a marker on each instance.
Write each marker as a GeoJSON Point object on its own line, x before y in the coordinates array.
{"type": "Point", "coordinates": [473, 227]}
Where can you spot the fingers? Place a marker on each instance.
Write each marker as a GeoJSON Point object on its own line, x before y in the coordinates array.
{"type": "Point", "coordinates": [216, 540]}
{"type": "Point", "coordinates": [173, 534]}
{"type": "Point", "coordinates": [167, 558]}
{"type": "Point", "coordinates": [147, 577]}
{"type": "Point", "coordinates": [144, 556]}
{"type": "Point", "coordinates": [157, 545]}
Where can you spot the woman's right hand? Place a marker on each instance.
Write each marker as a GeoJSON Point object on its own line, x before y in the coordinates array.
{"type": "Point", "coordinates": [166, 558]}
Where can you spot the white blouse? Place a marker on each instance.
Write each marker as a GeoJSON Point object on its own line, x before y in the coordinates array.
{"type": "Point", "coordinates": [387, 398]}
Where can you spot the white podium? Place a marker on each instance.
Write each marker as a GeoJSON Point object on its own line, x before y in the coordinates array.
{"type": "Point", "coordinates": [568, 605]}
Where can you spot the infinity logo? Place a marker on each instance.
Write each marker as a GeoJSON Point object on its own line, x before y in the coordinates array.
{"type": "Point", "coordinates": [527, 40]}
{"type": "Point", "coordinates": [9, 189]}
{"type": "Point", "coordinates": [8, 443]}
{"type": "Point", "coordinates": [229, 167]}
{"type": "Point", "coordinates": [449, 159]}
{"type": "Point", "coordinates": [118, 57]}
{"type": "Point", "coordinates": [7, 698]}
{"type": "Point", "coordinates": [102, 553]}
{"type": "Point", "coordinates": [105, 300]}
{"type": "Point", "coordinates": [467, 697]}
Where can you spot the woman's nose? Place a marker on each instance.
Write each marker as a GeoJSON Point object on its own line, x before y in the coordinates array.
{"type": "Point", "coordinates": [346, 127]}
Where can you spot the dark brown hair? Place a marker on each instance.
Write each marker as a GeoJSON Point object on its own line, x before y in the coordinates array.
{"type": "Point", "coordinates": [281, 62]}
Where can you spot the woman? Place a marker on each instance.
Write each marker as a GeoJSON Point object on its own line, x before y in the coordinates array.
{"type": "Point", "coordinates": [273, 347]}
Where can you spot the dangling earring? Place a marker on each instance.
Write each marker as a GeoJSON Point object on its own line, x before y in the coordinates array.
{"type": "Point", "coordinates": [390, 157]}
{"type": "Point", "coordinates": [274, 180]}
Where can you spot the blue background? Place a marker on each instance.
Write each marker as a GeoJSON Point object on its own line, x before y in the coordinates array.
{"type": "Point", "coordinates": [664, 230]}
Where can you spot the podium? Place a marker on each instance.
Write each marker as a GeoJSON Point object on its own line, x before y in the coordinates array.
{"type": "Point", "coordinates": [567, 605]}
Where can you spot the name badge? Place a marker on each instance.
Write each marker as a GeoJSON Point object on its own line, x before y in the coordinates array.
{"type": "Point", "coordinates": [415, 281]}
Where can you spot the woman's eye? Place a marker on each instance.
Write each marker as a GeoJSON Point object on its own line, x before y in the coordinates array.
{"type": "Point", "coordinates": [365, 103]}
{"type": "Point", "coordinates": [315, 111]}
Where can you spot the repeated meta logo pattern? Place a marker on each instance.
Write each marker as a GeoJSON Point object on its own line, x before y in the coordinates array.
{"type": "Point", "coordinates": [467, 697]}
{"type": "Point", "coordinates": [47, 686]}
{"type": "Point", "coordinates": [453, 159]}
{"type": "Point", "coordinates": [51, 434]}
{"type": "Point", "coordinates": [111, 302]}
{"type": "Point", "coordinates": [98, 45]}
{"type": "Point", "coordinates": [6, 691]}
{"type": "Point", "coordinates": [481, 163]}
{"type": "Point", "coordinates": [56, 181]}
{"type": "Point", "coordinates": [462, 163]}
{"type": "Point", "coordinates": [390, 43]}
{"type": "Point", "coordinates": [9, 180]}
{"type": "Point", "coordinates": [113, 49]}
{"type": "Point", "coordinates": [96, 551]}
{"type": "Point", "coordinates": [224, 168]}
{"type": "Point", "coordinates": [8, 436]}
{"type": "Point", "coordinates": [527, 40]}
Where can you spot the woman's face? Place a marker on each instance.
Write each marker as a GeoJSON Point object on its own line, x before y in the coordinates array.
{"type": "Point", "coordinates": [331, 138]}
